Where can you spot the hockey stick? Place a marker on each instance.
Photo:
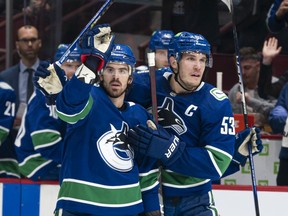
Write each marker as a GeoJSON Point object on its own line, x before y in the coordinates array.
{"type": "Point", "coordinates": [151, 65]}
{"type": "Point", "coordinates": [152, 69]}
{"type": "Point", "coordinates": [244, 107]}
{"type": "Point", "coordinates": [90, 24]}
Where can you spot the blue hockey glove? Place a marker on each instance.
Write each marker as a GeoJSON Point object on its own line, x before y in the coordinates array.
{"type": "Point", "coordinates": [96, 45]}
{"type": "Point", "coordinates": [243, 139]}
{"type": "Point", "coordinates": [49, 79]}
{"type": "Point", "coordinates": [156, 143]}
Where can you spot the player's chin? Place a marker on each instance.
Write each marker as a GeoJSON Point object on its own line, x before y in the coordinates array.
{"type": "Point", "coordinates": [115, 92]}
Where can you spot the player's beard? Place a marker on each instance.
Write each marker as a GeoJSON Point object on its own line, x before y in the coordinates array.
{"type": "Point", "coordinates": [113, 93]}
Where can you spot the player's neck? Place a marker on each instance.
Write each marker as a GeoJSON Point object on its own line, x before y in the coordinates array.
{"type": "Point", "coordinates": [119, 101]}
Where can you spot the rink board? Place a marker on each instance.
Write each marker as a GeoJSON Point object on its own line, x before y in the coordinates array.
{"type": "Point", "coordinates": [26, 198]}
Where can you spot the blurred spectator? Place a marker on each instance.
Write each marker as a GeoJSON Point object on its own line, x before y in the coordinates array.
{"type": "Point", "coordinates": [42, 14]}
{"type": "Point", "coordinates": [36, 6]}
{"type": "Point", "coordinates": [276, 21]}
{"type": "Point", "coordinates": [269, 86]}
{"type": "Point", "coordinates": [250, 20]}
{"type": "Point", "coordinates": [8, 163]}
{"type": "Point", "coordinates": [279, 124]}
{"type": "Point", "coordinates": [277, 17]}
{"type": "Point", "coordinates": [197, 16]}
{"type": "Point", "coordinates": [250, 65]}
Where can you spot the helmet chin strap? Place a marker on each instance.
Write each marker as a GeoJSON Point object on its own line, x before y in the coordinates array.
{"type": "Point", "coordinates": [176, 79]}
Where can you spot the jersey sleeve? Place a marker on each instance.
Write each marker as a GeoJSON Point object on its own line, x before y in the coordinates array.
{"type": "Point", "coordinates": [149, 182]}
{"type": "Point", "coordinates": [210, 158]}
{"type": "Point", "coordinates": [139, 92]}
{"type": "Point", "coordinates": [46, 130]}
{"type": "Point", "coordinates": [74, 102]}
{"type": "Point", "coordinates": [148, 167]}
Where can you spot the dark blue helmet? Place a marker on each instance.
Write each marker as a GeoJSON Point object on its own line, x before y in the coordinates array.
{"type": "Point", "coordinates": [123, 54]}
{"type": "Point", "coordinates": [160, 39]}
{"type": "Point", "coordinates": [73, 56]}
{"type": "Point", "coordinates": [189, 42]}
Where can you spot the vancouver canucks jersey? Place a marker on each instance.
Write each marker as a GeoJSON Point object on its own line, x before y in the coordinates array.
{"type": "Point", "coordinates": [39, 140]}
{"type": "Point", "coordinates": [203, 120]}
{"type": "Point", "coordinates": [8, 162]}
{"type": "Point", "coordinates": [98, 173]}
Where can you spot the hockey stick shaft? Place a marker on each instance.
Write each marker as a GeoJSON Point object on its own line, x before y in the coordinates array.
{"type": "Point", "coordinates": [90, 24]}
{"type": "Point", "coordinates": [244, 108]}
{"type": "Point", "coordinates": [151, 65]}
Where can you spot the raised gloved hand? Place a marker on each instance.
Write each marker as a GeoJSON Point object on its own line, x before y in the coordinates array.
{"type": "Point", "coordinates": [156, 143]}
{"type": "Point", "coordinates": [96, 45]}
{"type": "Point", "coordinates": [49, 79]}
{"type": "Point", "coordinates": [243, 139]}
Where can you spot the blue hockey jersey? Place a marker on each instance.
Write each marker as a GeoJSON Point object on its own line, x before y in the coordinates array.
{"type": "Point", "coordinates": [98, 174]}
{"type": "Point", "coordinates": [203, 120]}
{"type": "Point", "coordinates": [8, 162]}
{"type": "Point", "coordinates": [39, 140]}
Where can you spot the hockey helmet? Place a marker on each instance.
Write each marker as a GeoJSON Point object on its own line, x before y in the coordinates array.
{"type": "Point", "coordinates": [123, 54]}
{"type": "Point", "coordinates": [185, 42]}
{"type": "Point", "coordinates": [160, 39]}
{"type": "Point", "coordinates": [73, 56]}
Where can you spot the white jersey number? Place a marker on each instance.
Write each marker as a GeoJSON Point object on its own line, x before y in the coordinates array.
{"type": "Point", "coordinates": [227, 126]}
{"type": "Point", "coordinates": [10, 108]}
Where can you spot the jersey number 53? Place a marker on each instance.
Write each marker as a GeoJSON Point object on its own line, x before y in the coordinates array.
{"type": "Point", "coordinates": [227, 126]}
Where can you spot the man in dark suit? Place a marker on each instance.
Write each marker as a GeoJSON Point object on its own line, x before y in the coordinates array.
{"type": "Point", "coordinates": [20, 75]}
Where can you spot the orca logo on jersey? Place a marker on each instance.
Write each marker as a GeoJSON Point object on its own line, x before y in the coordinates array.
{"type": "Point", "coordinates": [167, 118]}
{"type": "Point", "coordinates": [114, 150]}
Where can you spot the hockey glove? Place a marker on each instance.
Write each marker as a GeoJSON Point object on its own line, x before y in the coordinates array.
{"type": "Point", "coordinates": [49, 79]}
{"type": "Point", "coordinates": [243, 139]}
{"type": "Point", "coordinates": [156, 143]}
{"type": "Point", "coordinates": [96, 45]}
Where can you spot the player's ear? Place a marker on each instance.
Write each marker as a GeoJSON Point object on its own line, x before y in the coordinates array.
{"type": "Point", "coordinates": [130, 80]}
{"type": "Point", "coordinates": [173, 61]}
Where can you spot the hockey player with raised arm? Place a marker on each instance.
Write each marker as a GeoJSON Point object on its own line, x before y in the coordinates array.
{"type": "Point", "coordinates": [99, 173]}
{"type": "Point", "coordinates": [198, 142]}
{"type": "Point", "coordinates": [39, 140]}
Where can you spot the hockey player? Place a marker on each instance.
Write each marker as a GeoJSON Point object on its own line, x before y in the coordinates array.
{"type": "Point", "coordinates": [8, 163]}
{"type": "Point", "coordinates": [200, 121]}
{"type": "Point", "coordinates": [39, 140]}
{"type": "Point", "coordinates": [159, 43]}
{"type": "Point", "coordinates": [99, 175]}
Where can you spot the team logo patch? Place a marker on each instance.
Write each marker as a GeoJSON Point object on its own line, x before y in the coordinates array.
{"type": "Point", "coordinates": [218, 94]}
{"type": "Point", "coordinates": [114, 150]}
